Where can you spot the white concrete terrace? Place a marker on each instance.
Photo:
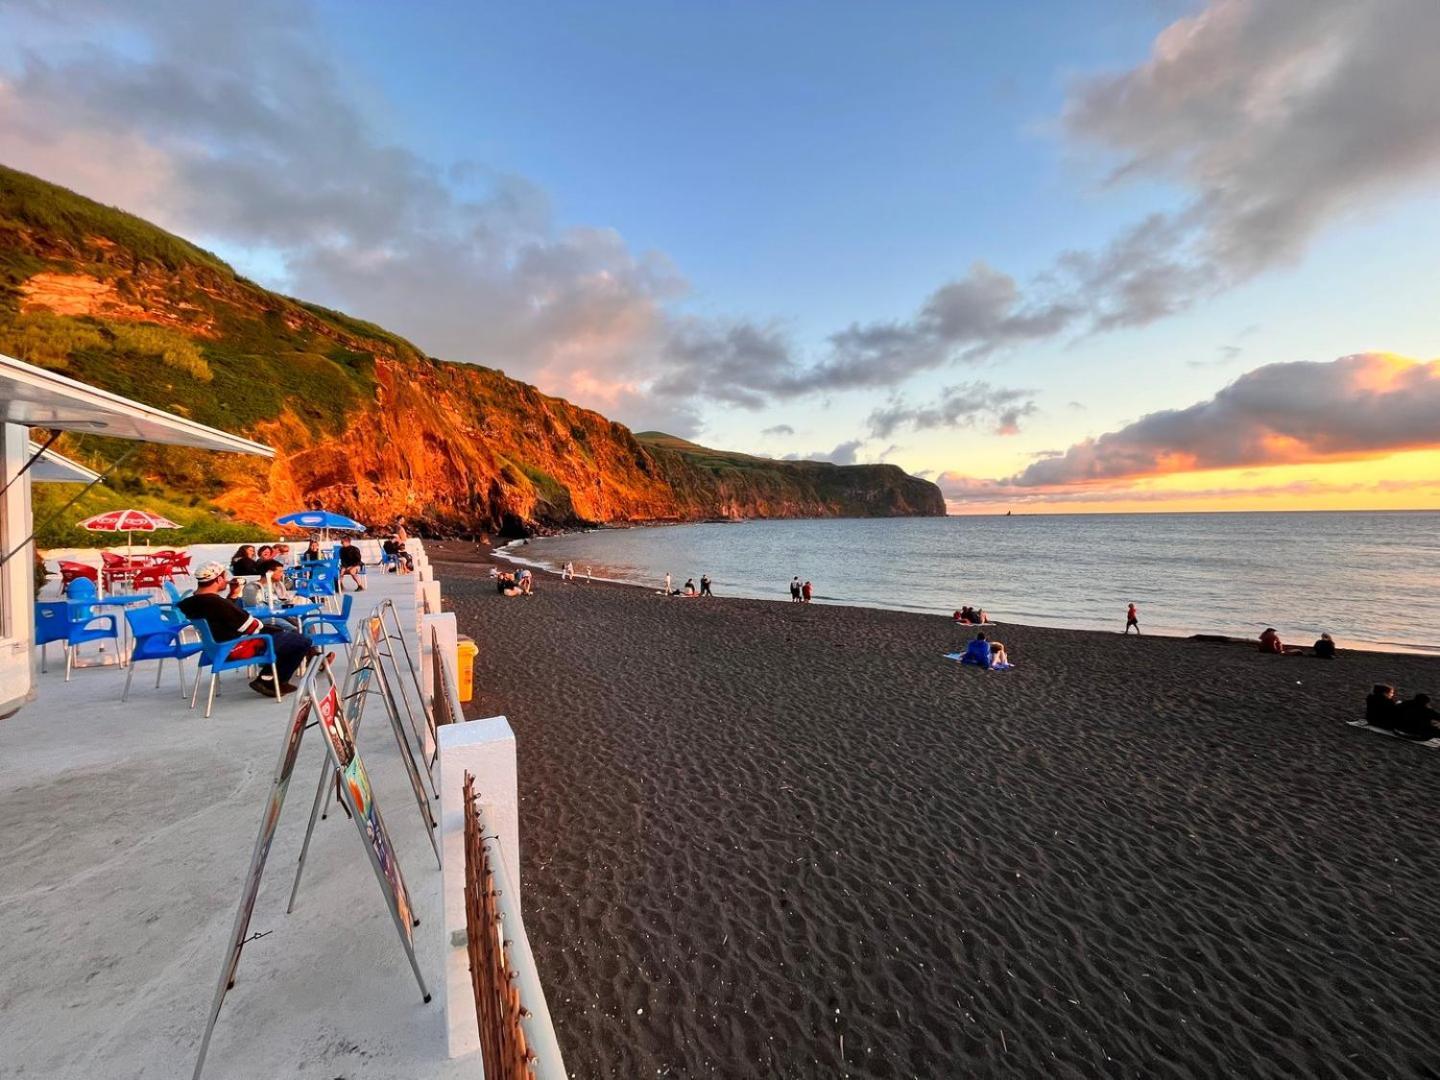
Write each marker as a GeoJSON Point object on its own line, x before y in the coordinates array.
{"type": "Point", "coordinates": [127, 831]}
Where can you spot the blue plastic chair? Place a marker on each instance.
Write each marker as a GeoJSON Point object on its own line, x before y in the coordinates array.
{"type": "Point", "coordinates": [59, 620]}
{"type": "Point", "coordinates": [158, 631]}
{"type": "Point", "coordinates": [322, 584]}
{"type": "Point", "coordinates": [81, 589]}
{"type": "Point", "coordinates": [173, 591]}
{"type": "Point", "coordinates": [216, 656]}
{"type": "Point", "coordinates": [327, 629]}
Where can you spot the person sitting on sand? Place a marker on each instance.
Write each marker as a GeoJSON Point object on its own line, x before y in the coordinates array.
{"type": "Point", "coordinates": [1415, 719]}
{"type": "Point", "coordinates": [525, 580]}
{"type": "Point", "coordinates": [1270, 641]}
{"type": "Point", "coordinates": [999, 661]}
{"type": "Point", "coordinates": [978, 653]}
{"type": "Point", "coordinates": [1380, 707]}
{"type": "Point", "coordinates": [966, 616]}
{"type": "Point", "coordinates": [690, 587]}
{"type": "Point", "coordinates": [980, 617]}
{"type": "Point", "coordinates": [1325, 647]}
{"type": "Point", "coordinates": [705, 585]}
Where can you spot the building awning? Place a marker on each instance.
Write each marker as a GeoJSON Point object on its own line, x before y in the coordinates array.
{"type": "Point", "coordinates": [53, 468]}
{"type": "Point", "coordinates": [33, 397]}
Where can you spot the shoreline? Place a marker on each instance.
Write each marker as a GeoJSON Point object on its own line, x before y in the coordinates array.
{"type": "Point", "coordinates": [749, 828]}
{"type": "Point", "coordinates": [506, 553]}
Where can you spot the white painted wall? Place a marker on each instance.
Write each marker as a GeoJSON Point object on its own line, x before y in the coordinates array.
{"type": "Point", "coordinates": [17, 578]}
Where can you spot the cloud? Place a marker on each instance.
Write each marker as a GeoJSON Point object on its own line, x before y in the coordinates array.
{"type": "Point", "coordinates": [961, 491]}
{"type": "Point", "coordinates": [1356, 407]}
{"type": "Point", "coordinates": [1271, 120]}
{"type": "Point", "coordinates": [844, 454]}
{"type": "Point", "coordinates": [961, 406]}
{"type": "Point", "coordinates": [778, 429]}
{"type": "Point", "coordinates": [1277, 117]}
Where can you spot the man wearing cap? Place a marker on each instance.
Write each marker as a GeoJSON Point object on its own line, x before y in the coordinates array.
{"type": "Point", "coordinates": [227, 621]}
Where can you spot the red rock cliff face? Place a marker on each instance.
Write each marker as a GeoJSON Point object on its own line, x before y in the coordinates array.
{"type": "Point", "coordinates": [362, 421]}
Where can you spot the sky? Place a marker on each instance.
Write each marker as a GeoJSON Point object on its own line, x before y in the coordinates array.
{"type": "Point", "coordinates": [1145, 255]}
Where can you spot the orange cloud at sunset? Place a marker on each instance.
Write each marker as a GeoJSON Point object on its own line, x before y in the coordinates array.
{"type": "Point", "coordinates": [1362, 431]}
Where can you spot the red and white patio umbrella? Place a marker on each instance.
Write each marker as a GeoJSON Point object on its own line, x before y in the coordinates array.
{"type": "Point", "coordinates": [129, 522]}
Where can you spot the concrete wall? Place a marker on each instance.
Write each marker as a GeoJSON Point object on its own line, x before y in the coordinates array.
{"type": "Point", "coordinates": [18, 659]}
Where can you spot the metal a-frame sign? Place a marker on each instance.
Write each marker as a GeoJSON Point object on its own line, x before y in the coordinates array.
{"type": "Point", "coordinates": [318, 703]}
{"type": "Point", "coordinates": [366, 676]}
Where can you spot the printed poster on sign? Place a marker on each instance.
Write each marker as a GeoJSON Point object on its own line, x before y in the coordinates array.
{"type": "Point", "coordinates": [337, 730]}
{"type": "Point", "coordinates": [367, 816]}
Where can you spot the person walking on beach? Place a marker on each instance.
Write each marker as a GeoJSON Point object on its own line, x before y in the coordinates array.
{"type": "Point", "coordinates": [667, 584]}
{"type": "Point", "coordinates": [1132, 618]}
{"type": "Point", "coordinates": [705, 585]}
{"type": "Point", "coordinates": [805, 591]}
{"type": "Point", "coordinates": [587, 574]}
{"type": "Point", "coordinates": [795, 590]}
{"type": "Point", "coordinates": [567, 572]}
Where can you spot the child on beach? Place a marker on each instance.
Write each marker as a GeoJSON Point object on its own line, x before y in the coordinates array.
{"type": "Point", "coordinates": [1132, 618]}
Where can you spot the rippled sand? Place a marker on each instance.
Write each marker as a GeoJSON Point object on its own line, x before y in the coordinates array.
{"type": "Point", "coordinates": [769, 840]}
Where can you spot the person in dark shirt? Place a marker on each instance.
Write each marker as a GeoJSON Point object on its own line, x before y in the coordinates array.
{"type": "Point", "coordinates": [705, 585]}
{"type": "Point", "coordinates": [312, 552]}
{"type": "Point", "coordinates": [227, 621]}
{"type": "Point", "coordinates": [1325, 647]}
{"type": "Point", "coordinates": [352, 564]}
{"type": "Point", "coordinates": [1270, 641]}
{"type": "Point", "coordinates": [1380, 706]}
{"type": "Point", "coordinates": [1415, 719]}
{"type": "Point", "coordinates": [243, 563]}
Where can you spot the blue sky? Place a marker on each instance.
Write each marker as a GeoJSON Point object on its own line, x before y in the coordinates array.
{"type": "Point", "coordinates": [894, 229]}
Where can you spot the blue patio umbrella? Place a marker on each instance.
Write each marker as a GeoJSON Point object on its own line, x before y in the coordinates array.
{"type": "Point", "coordinates": [320, 519]}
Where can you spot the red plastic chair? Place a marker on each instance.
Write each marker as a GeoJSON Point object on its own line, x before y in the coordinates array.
{"type": "Point", "coordinates": [150, 577]}
{"type": "Point", "coordinates": [69, 571]}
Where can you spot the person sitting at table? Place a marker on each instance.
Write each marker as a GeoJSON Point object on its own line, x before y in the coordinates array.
{"type": "Point", "coordinates": [243, 563]}
{"type": "Point", "coordinates": [265, 553]}
{"type": "Point", "coordinates": [352, 566]}
{"type": "Point", "coordinates": [227, 621]}
{"type": "Point", "coordinates": [312, 552]}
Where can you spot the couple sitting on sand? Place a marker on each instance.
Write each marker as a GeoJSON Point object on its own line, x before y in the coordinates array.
{"type": "Point", "coordinates": [519, 583]}
{"type": "Point", "coordinates": [986, 654]}
{"type": "Point", "coordinates": [1270, 643]}
{"type": "Point", "coordinates": [1414, 719]}
{"type": "Point", "coordinates": [969, 616]}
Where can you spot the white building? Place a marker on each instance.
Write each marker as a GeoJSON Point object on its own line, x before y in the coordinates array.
{"type": "Point", "coordinates": [32, 397]}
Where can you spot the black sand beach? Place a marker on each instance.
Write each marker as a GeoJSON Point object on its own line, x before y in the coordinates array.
{"type": "Point", "coordinates": [772, 840]}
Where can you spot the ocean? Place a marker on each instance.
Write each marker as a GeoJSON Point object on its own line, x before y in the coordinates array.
{"type": "Point", "coordinates": [1369, 579]}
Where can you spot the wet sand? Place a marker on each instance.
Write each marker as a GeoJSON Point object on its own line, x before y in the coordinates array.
{"type": "Point", "coordinates": [761, 839]}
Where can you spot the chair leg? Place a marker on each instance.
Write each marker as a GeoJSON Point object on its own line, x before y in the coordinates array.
{"type": "Point", "coordinates": [195, 691]}
{"type": "Point", "coordinates": [210, 701]}
{"type": "Point", "coordinates": [159, 667]}
{"type": "Point", "coordinates": [44, 655]}
{"type": "Point", "coordinates": [125, 694]}
{"type": "Point", "coordinates": [69, 660]}
{"type": "Point", "coordinates": [180, 671]}
{"type": "Point", "coordinates": [275, 674]}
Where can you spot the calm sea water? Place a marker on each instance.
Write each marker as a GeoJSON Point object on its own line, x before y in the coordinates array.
{"type": "Point", "coordinates": [1370, 579]}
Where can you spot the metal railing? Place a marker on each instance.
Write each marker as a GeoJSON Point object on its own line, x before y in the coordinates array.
{"type": "Point", "coordinates": [517, 1039]}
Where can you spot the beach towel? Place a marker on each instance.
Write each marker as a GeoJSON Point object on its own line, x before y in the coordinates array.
{"type": "Point", "coordinates": [961, 657]}
{"type": "Point", "coordinates": [1429, 744]}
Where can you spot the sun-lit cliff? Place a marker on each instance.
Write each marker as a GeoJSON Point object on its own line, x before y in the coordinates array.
{"type": "Point", "coordinates": [363, 422]}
